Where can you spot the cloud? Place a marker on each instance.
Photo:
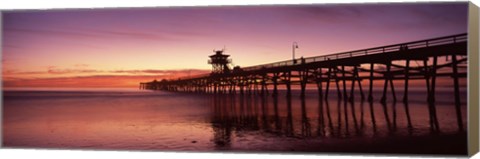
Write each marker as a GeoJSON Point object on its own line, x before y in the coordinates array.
{"type": "Point", "coordinates": [137, 35]}
{"type": "Point", "coordinates": [81, 81]}
{"type": "Point", "coordinates": [81, 65]}
{"type": "Point", "coordinates": [11, 46]}
{"type": "Point", "coordinates": [91, 77]}
{"type": "Point", "coordinates": [15, 72]}
{"type": "Point", "coordinates": [91, 34]}
{"type": "Point", "coordinates": [71, 71]}
{"type": "Point", "coordinates": [49, 33]}
{"type": "Point", "coordinates": [151, 71]}
{"type": "Point", "coordinates": [83, 68]}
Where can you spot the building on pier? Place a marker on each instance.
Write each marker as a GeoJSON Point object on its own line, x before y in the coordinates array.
{"type": "Point", "coordinates": [220, 62]}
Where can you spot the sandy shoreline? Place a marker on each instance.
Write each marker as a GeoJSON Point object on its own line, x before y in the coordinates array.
{"type": "Point", "coordinates": [430, 144]}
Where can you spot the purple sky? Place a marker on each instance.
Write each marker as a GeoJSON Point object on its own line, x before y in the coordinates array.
{"type": "Point", "coordinates": [123, 42]}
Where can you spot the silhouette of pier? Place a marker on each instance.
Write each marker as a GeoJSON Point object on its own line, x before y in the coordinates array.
{"type": "Point", "coordinates": [343, 72]}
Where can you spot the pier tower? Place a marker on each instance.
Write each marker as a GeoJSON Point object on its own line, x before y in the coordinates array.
{"type": "Point", "coordinates": [219, 62]}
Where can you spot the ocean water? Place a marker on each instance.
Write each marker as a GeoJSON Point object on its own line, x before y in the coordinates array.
{"type": "Point", "coordinates": [172, 121]}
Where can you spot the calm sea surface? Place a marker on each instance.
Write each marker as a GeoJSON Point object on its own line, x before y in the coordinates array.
{"type": "Point", "coordinates": [156, 120]}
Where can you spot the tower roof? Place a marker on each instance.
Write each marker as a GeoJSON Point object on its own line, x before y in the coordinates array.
{"type": "Point", "coordinates": [218, 53]}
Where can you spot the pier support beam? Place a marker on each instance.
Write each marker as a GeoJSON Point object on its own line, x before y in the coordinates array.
{"type": "Point", "coordinates": [432, 93]}
{"type": "Point", "coordinates": [370, 96]}
{"type": "Point", "coordinates": [430, 100]}
{"type": "Point", "coordinates": [339, 94]}
{"type": "Point", "coordinates": [327, 87]}
{"type": "Point", "coordinates": [345, 97]}
{"type": "Point", "coordinates": [457, 93]}
{"type": "Point", "coordinates": [318, 79]}
{"type": "Point", "coordinates": [405, 92]}
{"type": "Point", "coordinates": [407, 76]}
{"type": "Point", "coordinates": [275, 83]}
{"type": "Point", "coordinates": [303, 81]}
{"type": "Point", "coordinates": [356, 78]}
{"type": "Point", "coordinates": [392, 88]}
{"type": "Point", "coordinates": [263, 83]}
{"type": "Point", "coordinates": [288, 83]}
{"type": "Point", "coordinates": [385, 86]}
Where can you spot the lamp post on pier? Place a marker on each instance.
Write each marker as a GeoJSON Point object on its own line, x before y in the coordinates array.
{"type": "Point", "coordinates": [294, 46]}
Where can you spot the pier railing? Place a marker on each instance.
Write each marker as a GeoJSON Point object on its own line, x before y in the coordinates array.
{"type": "Point", "coordinates": [370, 51]}
{"type": "Point", "coordinates": [376, 50]}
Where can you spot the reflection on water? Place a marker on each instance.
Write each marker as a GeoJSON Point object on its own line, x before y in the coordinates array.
{"type": "Point", "coordinates": [294, 118]}
{"type": "Point", "coordinates": [179, 121]}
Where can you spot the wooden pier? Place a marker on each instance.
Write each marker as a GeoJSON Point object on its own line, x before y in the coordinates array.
{"type": "Point", "coordinates": [424, 60]}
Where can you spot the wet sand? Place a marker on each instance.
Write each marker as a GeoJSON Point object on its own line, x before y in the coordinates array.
{"type": "Point", "coordinates": [437, 144]}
